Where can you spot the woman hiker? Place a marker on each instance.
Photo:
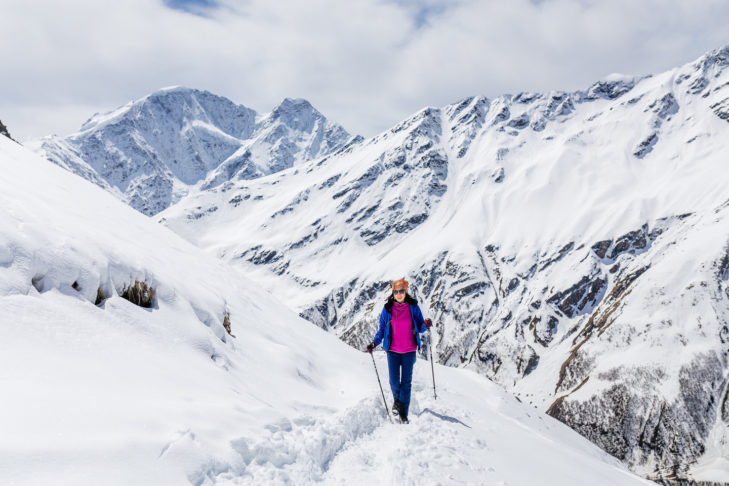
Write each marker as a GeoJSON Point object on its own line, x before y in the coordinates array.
{"type": "Point", "coordinates": [401, 323]}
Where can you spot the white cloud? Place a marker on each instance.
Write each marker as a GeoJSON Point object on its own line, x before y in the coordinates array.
{"type": "Point", "coordinates": [364, 63]}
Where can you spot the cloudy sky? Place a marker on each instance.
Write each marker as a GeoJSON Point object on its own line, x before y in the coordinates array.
{"type": "Point", "coordinates": [366, 64]}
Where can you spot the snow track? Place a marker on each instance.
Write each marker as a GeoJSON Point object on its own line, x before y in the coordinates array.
{"type": "Point", "coordinates": [457, 439]}
{"type": "Point", "coordinates": [303, 447]}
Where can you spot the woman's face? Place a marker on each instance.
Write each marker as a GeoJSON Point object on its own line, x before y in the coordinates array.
{"type": "Point", "coordinates": [399, 295]}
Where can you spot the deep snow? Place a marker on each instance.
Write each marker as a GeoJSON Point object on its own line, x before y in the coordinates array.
{"type": "Point", "coordinates": [118, 394]}
{"type": "Point", "coordinates": [497, 210]}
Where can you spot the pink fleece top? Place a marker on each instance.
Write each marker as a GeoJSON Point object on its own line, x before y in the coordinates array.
{"type": "Point", "coordinates": [403, 340]}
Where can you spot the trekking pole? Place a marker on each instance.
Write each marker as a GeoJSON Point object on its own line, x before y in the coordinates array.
{"type": "Point", "coordinates": [432, 371]}
{"type": "Point", "coordinates": [384, 402]}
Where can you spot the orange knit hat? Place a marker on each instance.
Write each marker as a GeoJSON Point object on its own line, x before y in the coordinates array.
{"type": "Point", "coordinates": [400, 284]}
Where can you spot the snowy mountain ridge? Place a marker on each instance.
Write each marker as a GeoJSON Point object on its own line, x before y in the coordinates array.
{"type": "Point", "coordinates": [572, 247]}
{"type": "Point", "coordinates": [155, 150]}
{"type": "Point", "coordinates": [100, 387]}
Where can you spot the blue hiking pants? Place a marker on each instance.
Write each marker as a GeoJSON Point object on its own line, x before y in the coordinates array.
{"type": "Point", "coordinates": [400, 366]}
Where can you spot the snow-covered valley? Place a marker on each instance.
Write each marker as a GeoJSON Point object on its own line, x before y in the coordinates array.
{"type": "Point", "coordinates": [102, 385]}
{"type": "Point", "coordinates": [572, 247]}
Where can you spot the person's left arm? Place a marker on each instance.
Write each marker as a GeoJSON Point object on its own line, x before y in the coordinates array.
{"type": "Point", "coordinates": [418, 319]}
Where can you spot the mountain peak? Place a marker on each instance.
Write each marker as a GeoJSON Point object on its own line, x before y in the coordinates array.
{"type": "Point", "coordinates": [296, 113]}
{"type": "Point", "coordinates": [175, 102]}
{"type": "Point", "coordinates": [611, 87]}
{"type": "Point", "coordinates": [155, 149]}
{"type": "Point", "coordinates": [717, 57]}
{"type": "Point", "coordinates": [296, 104]}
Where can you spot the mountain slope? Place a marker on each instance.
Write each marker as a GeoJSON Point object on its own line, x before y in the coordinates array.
{"type": "Point", "coordinates": [154, 150]}
{"type": "Point", "coordinates": [100, 390]}
{"type": "Point", "coordinates": [572, 246]}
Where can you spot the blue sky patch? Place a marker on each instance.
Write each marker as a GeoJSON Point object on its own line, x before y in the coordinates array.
{"type": "Point", "coordinates": [422, 11]}
{"type": "Point", "coordinates": [196, 7]}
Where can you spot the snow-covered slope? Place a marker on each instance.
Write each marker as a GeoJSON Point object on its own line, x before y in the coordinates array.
{"type": "Point", "coordinates": [154, 150]}
{"type": "Point", "coordinates": [573, 247]}
{"type": "Point", "coordinates": [98, 390]}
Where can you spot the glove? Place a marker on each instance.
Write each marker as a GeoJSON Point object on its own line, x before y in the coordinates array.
{"type": "Point", "coordinates": [370, 347]}
{"type": "Point", "coordinates": [428, 323]}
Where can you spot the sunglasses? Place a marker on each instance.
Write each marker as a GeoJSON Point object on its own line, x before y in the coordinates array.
{"type": "Point", "coordinates": [399, 291]}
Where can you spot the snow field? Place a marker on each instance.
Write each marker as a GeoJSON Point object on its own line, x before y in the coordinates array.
{"type": "Point", "coordinates": [116, 394]}
{"type": "Point", "coordinates": [482, 436]}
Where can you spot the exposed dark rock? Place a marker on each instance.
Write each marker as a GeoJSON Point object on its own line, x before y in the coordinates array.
{"type": "Point", "coordinates": [635, 427]}
{"type": "Point", "coordinates": [498, 175]}
{"type": "Point", "coordinates": [354, 190]}
{"type": "Point", "coordinates": [609, 89]}
{"type": "Point", "coordinates": [560, 255]}
{"type": "Point", "coordinates": [544, 330]}
{"type": "Point", "coordinates": [226, 324]}
{"type": "Point", "coordinates": [471, 290]}
{"type": "Point", "coordinates": [318, 229]}
{"type": "Point", "coordinates": [560, 104]}
{"type": "Point", "coordinates": [329, 182]}
{"type": "Point", "coordinates": [601, 247]}
{"type": "Point", "coordinates": [239, 198]}
{"type": "Point", "coordinates": [460, 106]}
{"type": "Point", "coordinates": [294, 204]}
{"type": "Point", "coordinates": [4, 131]}
{"type": "Point", "coordinates": [260, 256]}
{"type": "Point", "coordinates": [489, 360]}
{"type": "Point", "coordinates": [363, 213]}
{"type": "Point", "coordinates": [723, 265]}
{"type": "Point", "coordinates": [665, 106]}
{"type": "Point", "coordinates": [343, 304]}
{"type": "Point", "coordinates": [527, 361]}
{"type": "Point", "coordinates": [526, 97]}
{"type": "Point", "coordinates": [603, 419]}
{"type": "Point", "coordinates": [139, 293]}
{"type": "Point", "coordinates": [646, 146]}
{"type": "Point", "coordinates": [467, 123]}
{"type": "Point", "coordinates": [503, 115]}
{"type": "Point", "coordinates": [721, 109]}
{"type": "Point", "coordinates": [698, 85]}
{"type": "Point", "coordinates": [200, 212]}
{"type": "Point", "coordinates": [632, 241]}
{"type": "Point", "coordinates": [426, 123]}
{"type": "Point", "coordinates": [521, 122]}
{"type": "Point", "coordinates": [581, 297]}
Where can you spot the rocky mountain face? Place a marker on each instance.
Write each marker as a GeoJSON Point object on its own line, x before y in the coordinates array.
{"type": "Point", "coordinates": [4, 131]}
{"type": "Point", "coordinates": [155, 150]}
{"type": "Point", "coordinates": [571, 246]}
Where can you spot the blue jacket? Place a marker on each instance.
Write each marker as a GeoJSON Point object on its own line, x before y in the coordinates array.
{"type": "Point", "coordinates": [385, 330]}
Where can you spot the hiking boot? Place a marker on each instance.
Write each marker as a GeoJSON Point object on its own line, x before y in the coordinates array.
{"type": "Point", "coordinates": [401, 412]}
{"type": "Point", "coordinates": [397, 408]}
